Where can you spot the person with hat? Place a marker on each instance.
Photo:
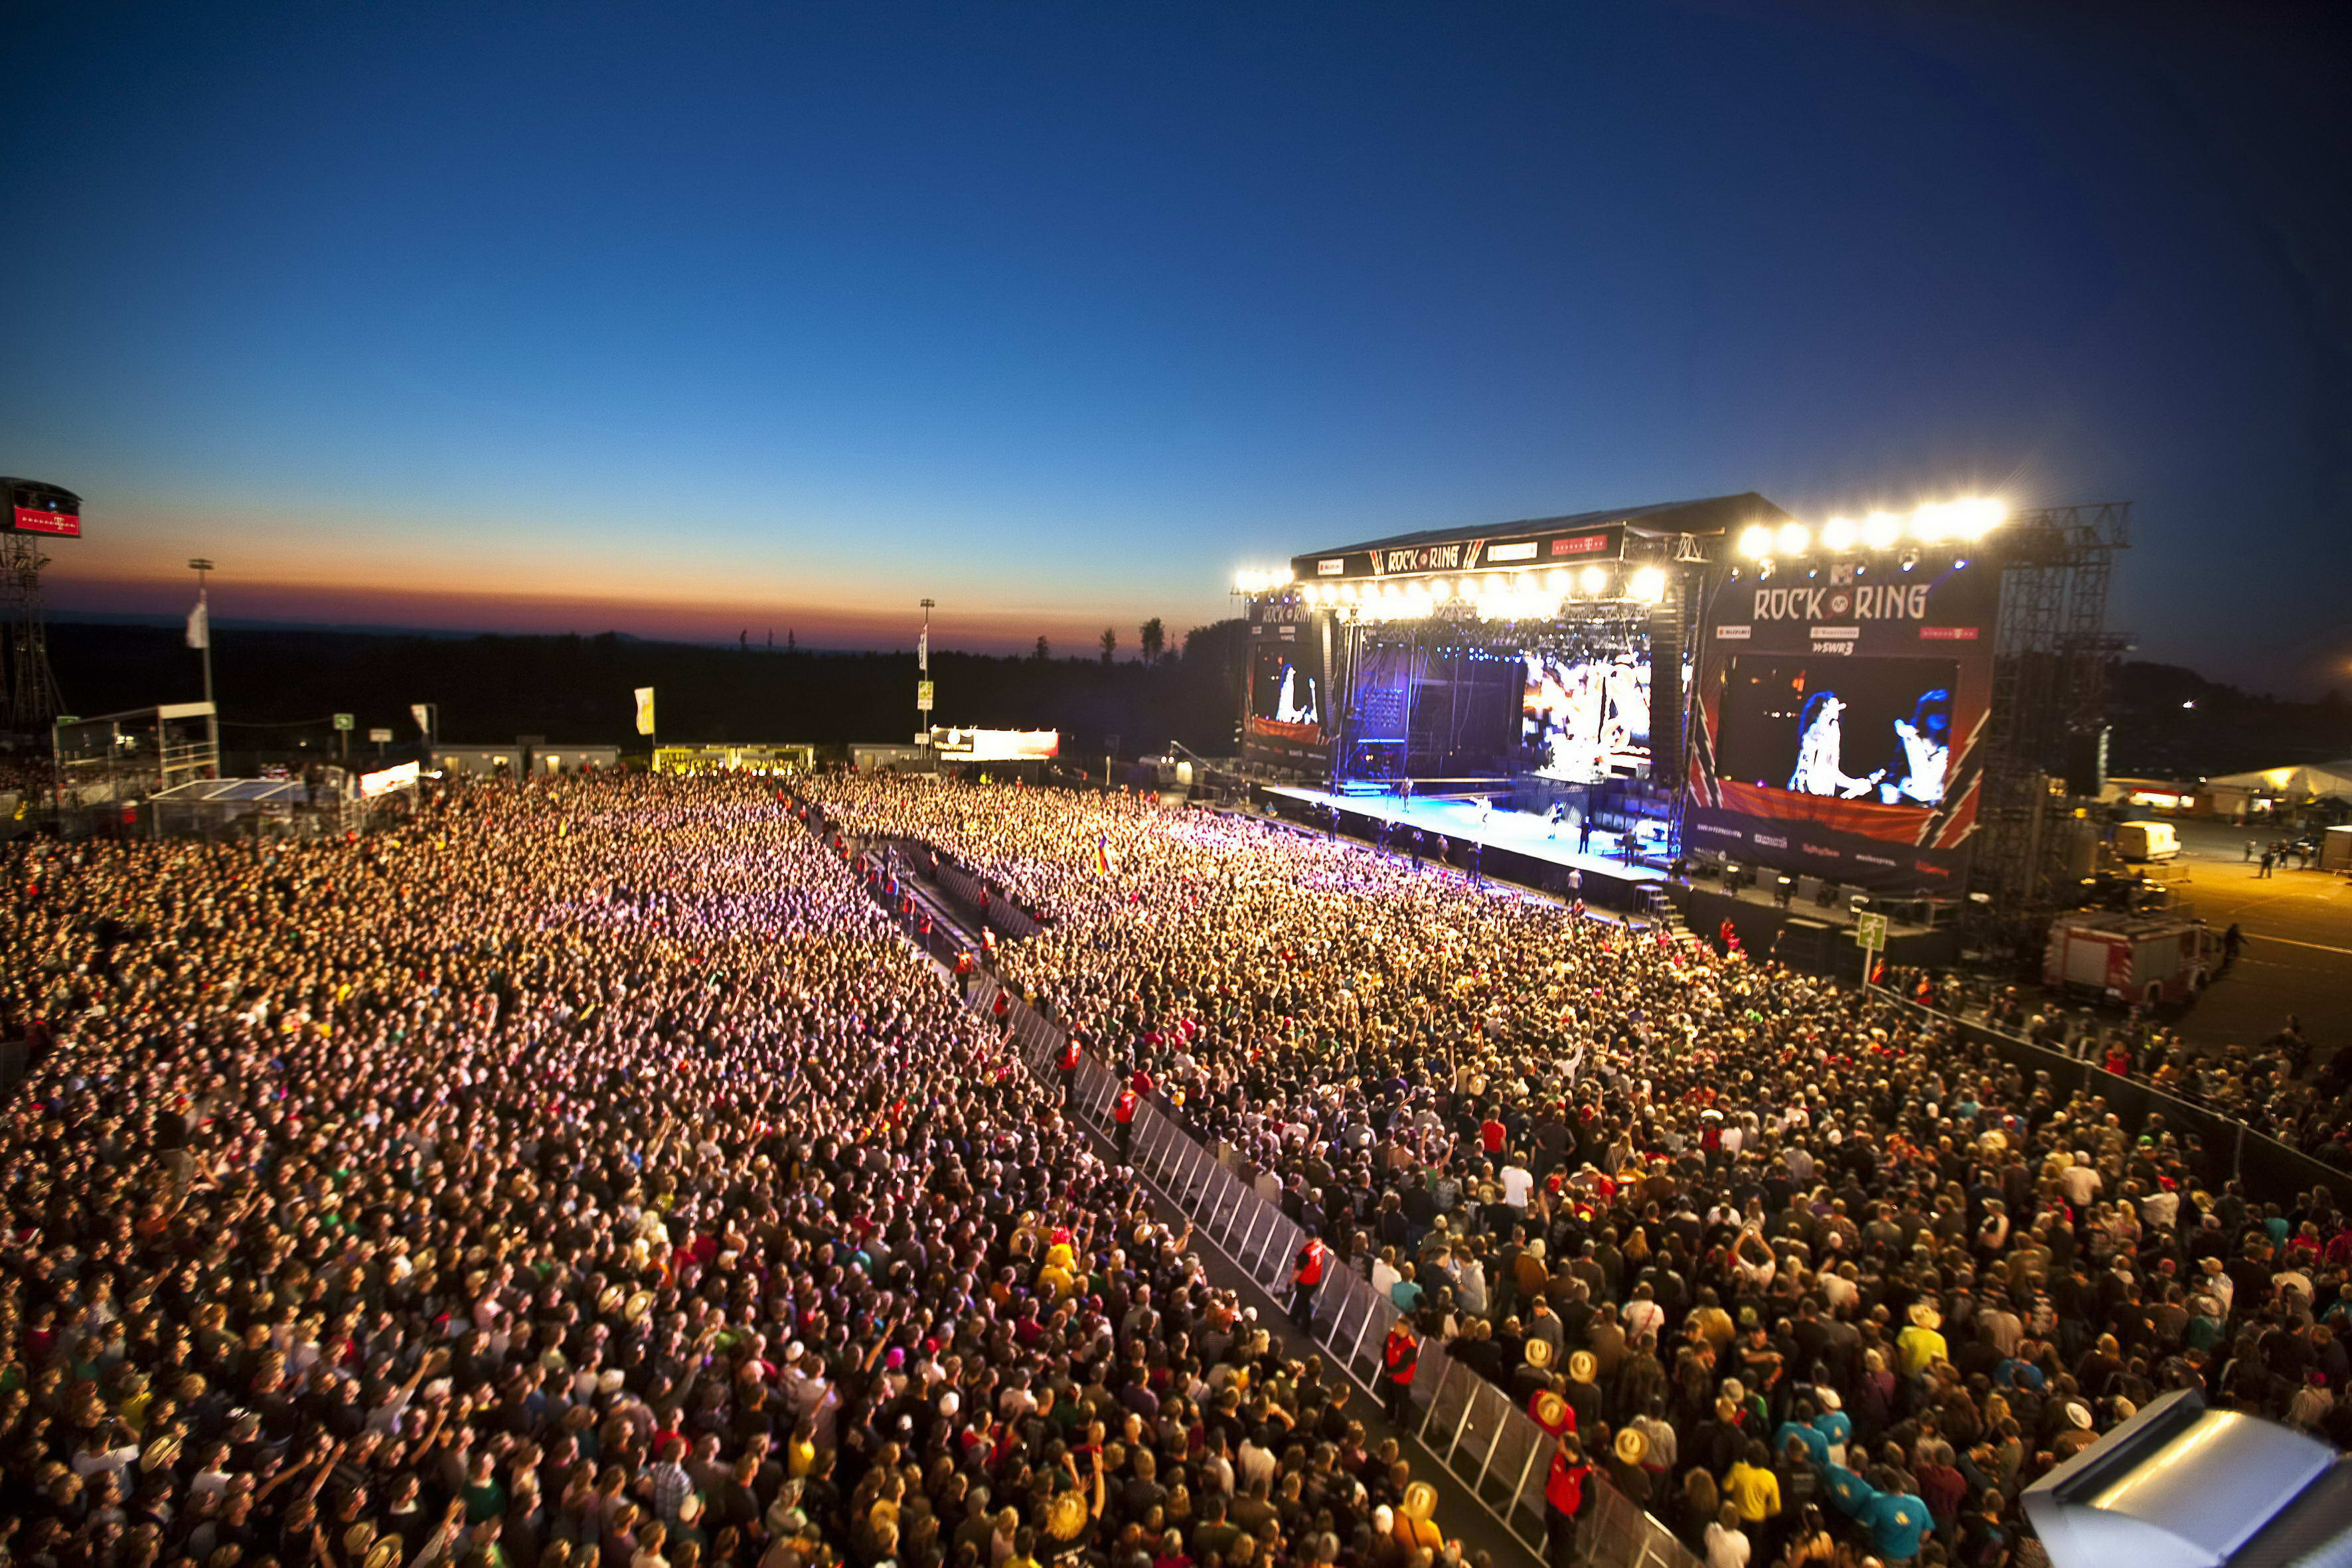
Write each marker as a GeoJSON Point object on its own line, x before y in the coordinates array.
{"type": "Point", "coordinates": [1922, 1344]}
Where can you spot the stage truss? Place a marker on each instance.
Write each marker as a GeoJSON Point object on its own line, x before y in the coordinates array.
{"type": "Point", "coordinates": [28, 696]}
{"type": "Point", "coordinates": [2049, 695]}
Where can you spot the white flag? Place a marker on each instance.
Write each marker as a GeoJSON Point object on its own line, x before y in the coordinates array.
{"type": "Point", "coordinates": [200, 626]}
{"type": "Point", "coordinates": [423, 713]}
{"type": "Point", "coordinates": [923, 650]}
{"type": "Point", "coordinates": [644, 710]}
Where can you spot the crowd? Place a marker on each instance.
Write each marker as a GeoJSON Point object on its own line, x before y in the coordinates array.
{"type": "Point", "coordinates": [582, 1173]}
{"type": "Point", "coordinates": [1800, 1270]}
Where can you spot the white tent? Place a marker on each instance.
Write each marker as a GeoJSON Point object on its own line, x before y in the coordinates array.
{"type": "Point", "coordinates": [2292, 784]}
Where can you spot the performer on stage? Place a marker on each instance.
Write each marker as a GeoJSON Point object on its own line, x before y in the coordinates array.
{"type": "Point", "coordinates": [1820, 752]}
{"type": "Point", "coordinates": [1923, 750]}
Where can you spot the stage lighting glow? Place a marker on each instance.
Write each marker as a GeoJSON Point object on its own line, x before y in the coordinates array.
{"type": "Point", "coordinates": [1975, 518]}
{"type": "Point", "coordinates": [1756, 541]}
{"type": "Point", "coordinates": [1594, 579]}
{"type": "Point", "coordinates": [1932, 524]}
{"type": "Point", "coordinates": [1838, 534]}
{"type": "Point", "coordinates": [1649, 585]}
{"type": "Point", "coordinates": [1793, 539]}
{"type": "Point", "coordinates": [1555, 581]}
{"type": "Point", "coordinates": [1880, 530]}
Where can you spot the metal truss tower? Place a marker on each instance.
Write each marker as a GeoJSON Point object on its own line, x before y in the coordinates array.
{"type": "Point", "coordinates": [2050, 670]}
{"type": "Point", "coordinates": [28, 698]}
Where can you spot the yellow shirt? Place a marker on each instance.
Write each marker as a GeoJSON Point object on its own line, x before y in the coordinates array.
{"type": "Point", "coordinates": [1920, 1347]}
{"type": "Point", "coordinates": [1755, 1493]}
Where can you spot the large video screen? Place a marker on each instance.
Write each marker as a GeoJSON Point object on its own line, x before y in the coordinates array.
{"type": "Point", "coordinates": [1286, 692]}
{"type": "Point", "coordinates": [1589, 716]}
{"type": "Point", "coordinates": [1878, 729]}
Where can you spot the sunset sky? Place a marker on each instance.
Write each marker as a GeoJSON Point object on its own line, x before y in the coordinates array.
{"type": "Point", "coordinates": [680, 319]}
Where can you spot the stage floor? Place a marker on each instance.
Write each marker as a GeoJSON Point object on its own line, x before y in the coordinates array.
{"type": "Point", "coordinates": [1519, 831]}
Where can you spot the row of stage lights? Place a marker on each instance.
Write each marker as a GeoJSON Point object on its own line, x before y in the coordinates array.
{"type": "Point", "coordinates": [1506, 596]}
{"type": "Point", "coordinates": [1945, 522]}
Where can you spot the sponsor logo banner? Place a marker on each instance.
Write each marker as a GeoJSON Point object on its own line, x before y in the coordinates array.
{"type": "Point", "coordinates": [64, 524]}
{"type": "Point", "coordinates": [1821, 850]}
{"type": "Point", "coordinates": [1525, 550]}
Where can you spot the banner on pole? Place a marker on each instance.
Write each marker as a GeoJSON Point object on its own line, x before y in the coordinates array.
{"type": "Point", "coordinates": [200, 627]}
{"type": "Point", "coordinates": [644, 710]}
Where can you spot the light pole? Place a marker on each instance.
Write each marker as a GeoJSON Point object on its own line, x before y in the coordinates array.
{"type": "Point", "coordinates": [201, 565]}
{"type": "Point", "coordinates": [923, 685]}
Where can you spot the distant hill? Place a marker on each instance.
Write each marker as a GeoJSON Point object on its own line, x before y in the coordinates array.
{"type": "Point", "coordinates": [278, 685]}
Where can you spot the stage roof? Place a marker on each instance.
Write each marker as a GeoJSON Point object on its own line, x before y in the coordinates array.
{"type": "Point", "coordinates": [1716, 514]}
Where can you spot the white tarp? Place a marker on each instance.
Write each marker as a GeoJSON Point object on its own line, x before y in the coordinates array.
{"type": "Point", "coordinates": [390, 779]}
{"type": "Point", "coordinates": [2298, 781]}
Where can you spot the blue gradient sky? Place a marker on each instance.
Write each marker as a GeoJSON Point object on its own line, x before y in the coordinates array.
{"type": "Point", "coordinates": [681, 318]}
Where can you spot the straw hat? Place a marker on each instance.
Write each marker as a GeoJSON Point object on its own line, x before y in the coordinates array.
{"type": "Point", "coordinates": [1924, 1316]}
{"type": "Point", "coordinates": [1829, 1398]}
{"type": "Point", "coordinates": [1420, 1501]}
{"type": "Point", "coordinates": [385, 1553]}
{"type": "Point", "coordinates": [1582, 1366]}
{"type": "Point", "coordinates": [1065, 1516]}
{"type": "Point", "coordinates": [1551, 1411]}
{"type": "Point", "coordinates": [609, 1299]}
{"type": "Point", "coordinates": [639, 1306]}
{"type": "Point", "coordinates": [2079, 1413]}
{"type": "Point", "coordinates": [1539, 1353]}
{"type": "Point", "coordinates": [1632, 1447]}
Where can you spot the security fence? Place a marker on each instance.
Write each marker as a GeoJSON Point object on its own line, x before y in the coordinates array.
{"type": "Point", "coordinates": [1493, 1449]}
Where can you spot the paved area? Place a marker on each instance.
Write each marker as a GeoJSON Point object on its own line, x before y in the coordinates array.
{"type": "Point", "coordinates": [2298, 953]}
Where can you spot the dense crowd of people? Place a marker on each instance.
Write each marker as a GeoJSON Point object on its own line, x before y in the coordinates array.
{"type": "Point", "coordinates": [1811, 1274]}
{"type": "Point", "coordinates": [584, 1175]}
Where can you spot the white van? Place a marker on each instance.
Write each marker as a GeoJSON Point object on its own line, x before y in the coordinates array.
{"type": "Point", "coordinates": [2146, 840]}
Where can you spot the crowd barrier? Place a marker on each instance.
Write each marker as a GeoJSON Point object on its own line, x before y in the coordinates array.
{"type": "Point", "coordinates": [1485, 1442]}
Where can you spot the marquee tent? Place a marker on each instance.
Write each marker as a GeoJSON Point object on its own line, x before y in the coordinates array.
{"type": "Point", "coordinates": [2296, 783]}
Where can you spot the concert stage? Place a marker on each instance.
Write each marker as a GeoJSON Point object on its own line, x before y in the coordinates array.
{"type": "Point", "coordinates": [1805, 933]}
{"type": "Point", "coordinates": [1514, 843]}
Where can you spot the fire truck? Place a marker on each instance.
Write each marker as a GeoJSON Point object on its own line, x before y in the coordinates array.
{"type": "Point", "coordinates": [2152, 958]}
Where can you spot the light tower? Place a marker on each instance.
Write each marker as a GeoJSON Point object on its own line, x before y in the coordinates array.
{"type": "Point", "coordinates": [35, 513]}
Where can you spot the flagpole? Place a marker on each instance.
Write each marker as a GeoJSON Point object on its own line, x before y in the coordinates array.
{"type": "Point", "coordinates": [201, 565]}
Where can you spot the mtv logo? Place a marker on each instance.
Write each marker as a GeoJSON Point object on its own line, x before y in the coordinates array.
{"type": "Point", "coordinates": [1841, 575]}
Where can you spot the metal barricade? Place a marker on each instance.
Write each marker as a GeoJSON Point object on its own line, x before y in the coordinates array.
{"type": "Point", "coordinates": [1485, 1442]}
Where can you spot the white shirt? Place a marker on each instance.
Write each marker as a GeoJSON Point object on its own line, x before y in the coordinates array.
{"type": "Point", "coordinates": [1727, 1548]}
{"type": "Point", "coordinates": [1516, 1184]}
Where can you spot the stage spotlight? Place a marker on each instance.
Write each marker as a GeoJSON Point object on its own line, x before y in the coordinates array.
{"type": "Point", "coordinates": [1794, 538]}
{"type": "Point", "coordinates": [1595, 579]}
{"type": "Point", "coordinates": [1880, 530]}
{"type": "Point", "coordinates": [1756, 541]}
{"type": "Point", "coordinates": [1649, 586]}
{"type": "Point", "coordinates": [1975, 518]}
{"type": "Point", "coordinates": [1931, 524]}
{"type": "Point", "coordinates": [1910, 559]}
{"type": "Point", "coordinates": [1555, 581]}
{"type": "Point", "coordinates": [1838, 534]}
{"type": "Point", "coordinates": [1764, 570]}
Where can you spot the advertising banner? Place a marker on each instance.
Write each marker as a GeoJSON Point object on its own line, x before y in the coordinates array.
{"type": "Point", "coordinates": [1840, 720]}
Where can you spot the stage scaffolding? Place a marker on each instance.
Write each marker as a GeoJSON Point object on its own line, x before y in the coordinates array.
{"type": "Point", "coordinates": [2049, 672]}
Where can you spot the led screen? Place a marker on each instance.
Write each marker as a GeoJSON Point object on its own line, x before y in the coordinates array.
{"type": "Point", "coordinates": [1589, 716]}
{"type": "Point", "coordinates": [1286, 689]}
{"type": "Point", "coordinates": [1876, 730]}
